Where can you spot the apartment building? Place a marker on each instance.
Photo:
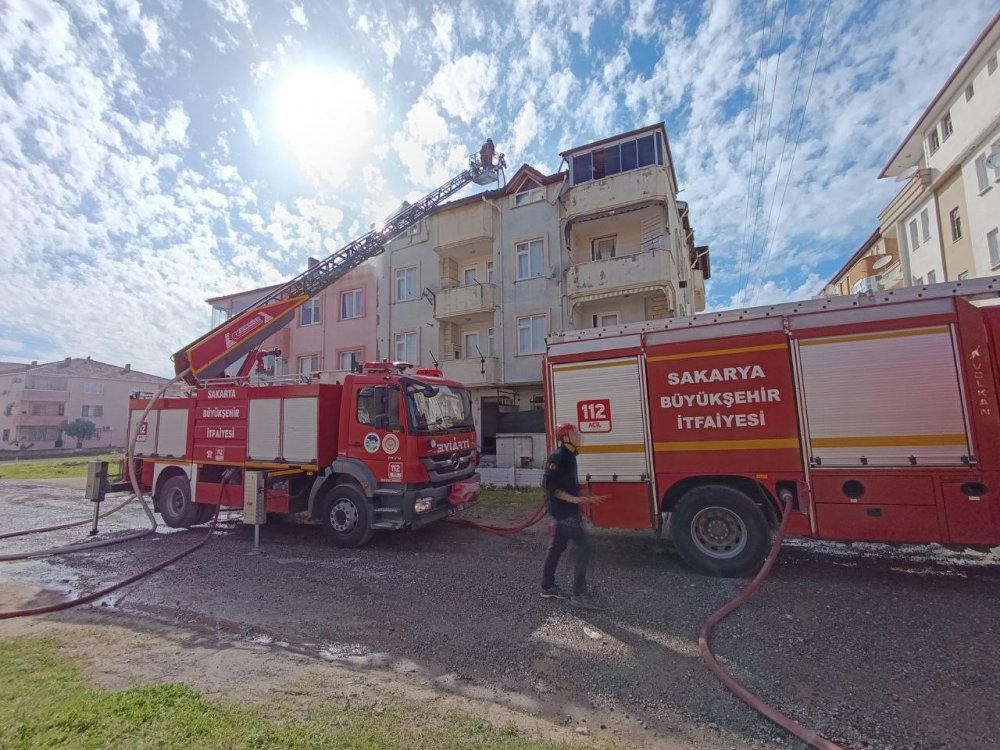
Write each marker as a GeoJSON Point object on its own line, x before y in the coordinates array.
{"type": "Point", "coordinates": [36, 399]}
{"type": "Point", "coordinates": [946, 218]}
{"type": "Point", "coordinates": [873, 266]}
{"type": "Point", "coordinates": [477, 286]}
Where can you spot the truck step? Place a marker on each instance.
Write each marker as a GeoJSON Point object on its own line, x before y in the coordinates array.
{"type": "Point", "coordinates": [389, 511]}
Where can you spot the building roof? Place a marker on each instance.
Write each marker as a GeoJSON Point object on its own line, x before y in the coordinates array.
{"type": "Point", "coordinates": [6, 367]}
{"type": "Point", "coordinates": [76, 367]}
{"type": "Point", "coordinates": [858, 255]}
{"type": "Point", "coordinates": [911, 149]}
{"type": "Point", "coordinates": [661, 126]}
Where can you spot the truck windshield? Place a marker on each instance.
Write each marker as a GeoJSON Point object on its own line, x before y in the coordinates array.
{"type": "Point", "coordinates": [447, 410]}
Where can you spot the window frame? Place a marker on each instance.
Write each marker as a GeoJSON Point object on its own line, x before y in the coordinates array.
{"type": "Point", "coordinates": [947, 127]}
{"type": "Point", "coordinates": [955, 219]}
{"type": "Point", "coordinates": [358, 294]}
{"type": "Point", "coordinates": [415, 360]}
{"type": "Point", "coordinates": [491, 272]}
{"type": "Point", "coordinates": [465, 275]}
{"type": "Point", "coordinates": [933, 141]}
{"type": "Point", "coordinates": [970, 91]}
{"type": "Point", "coordinates": [525, 197]}
{"type": "Point", "coordinates": [299, 360]}
{"type": "Point", "coordinates": [313, 305]}
{"type": "Point", "coordinates": [932, 276]}
{"type": "Point", "coordinates": [993, 247]}
{"type": "Point", "coordinates": [530, 327]}
{"type": "Point", "coordinates": [491, 340]}
{"type": "Point", "coordinates": [360, 358]}
{"type": "Point", "coordinates": [517, 258]}
{"type": "Point", "coordinates": [596, 319]}
{"type": "Point", "coordinates": [982, 177]}
{"type": "Point", "coordinates": [925, 225]}
{"type": "Point", "coordinates": [466, 353]}
{"type": "Point", "coordinates": [914, 233]}
{"type": "Point", "coordinates": [400, 274]}
{"type": "Point", "coordinates": [596, 241]}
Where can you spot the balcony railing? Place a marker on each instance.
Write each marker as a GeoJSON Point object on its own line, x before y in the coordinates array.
{"type": "Point", "coordinates": [41, 394]}
{"type": "Point", "coordinates": [36, 420]}
{"type": "Point", "coordinates": [464, 301]}
{"type": "Point", "coordinates": [892, 276]}
{"type": "Point", "coordinates": [636, 186]}
{"type": "Point", "coordinates": [472, 372]}
{"type": "Point", "coordinates": [621, 273]}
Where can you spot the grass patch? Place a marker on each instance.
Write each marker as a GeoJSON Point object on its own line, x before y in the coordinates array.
{"type": "Point", "coordinates": [501, 498]}
{"type": "Point", "coordinates": [45, 702]}
{"type": "Point", "coordinates": [55, 468]}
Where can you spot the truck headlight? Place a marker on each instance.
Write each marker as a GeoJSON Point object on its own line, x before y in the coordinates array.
{"type": "Point", "coordinates": [423, 504]}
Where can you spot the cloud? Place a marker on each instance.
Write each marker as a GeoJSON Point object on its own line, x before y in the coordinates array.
{"type": "Point", "coordinates": [298, 14]}
{"type": "Point", "coordinates": [461, 87]}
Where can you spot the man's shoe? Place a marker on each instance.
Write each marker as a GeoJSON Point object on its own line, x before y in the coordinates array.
{"type": "Point", "coordinates": [553, 592]}
{"type": "Point", "coordinates": [586, 601]}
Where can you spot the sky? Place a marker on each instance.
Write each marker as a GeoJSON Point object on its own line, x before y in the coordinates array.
{"type": "Point", "coordinates": [157, 153]}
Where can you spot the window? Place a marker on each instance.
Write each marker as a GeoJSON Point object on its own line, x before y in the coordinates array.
{"type": "Point", "coordinates": [914, 237]}
{"type": "Point", "coordinates": [530, 259]}
{"type": "Point", "coordinates": [310, 312]}
{"type": "Point", "coordinates": [925, 224]}
{"type": "Point", "coordinates": [603, 248]}
{"type": "Point", "coordinates": [946, 126]}
{"type": "Point", "coordinates": [991, 64]}
{"type": "Point", "coordinates": [932, 276]}
{"type": "Point", "coordinates": [994, 160]}
{"type": "Point", "coordinates": [6, 436]}
{"type": "Point", "coordinates": [918, 281]}
{"type": "Point", "coordinates": [956, 224]}
{"type": "Point", "coordinates": [933, 144]}
{"type": "Point", "coordinates": [491, 276]}
{"type": "Point", "coordinates": [491, 343]}
{"type": "Point", "coordinates": [605, 320]}
{"type": "Point", "coordinates": [970, 92]}
{"type": "Point", "coordinates": [531, 334]}
{"type": "Point", "coordinates": [470, 345]}
{"type": "Point", "coordinates": [92, 411]}
{"type": "Point", "coordinates": [963, 276]}
{"type": "Point", "coordinates": [902, 237]}
{"type": "Point", "coordinates": [406, 284]}
{"type": "Point", "coordinates": [993, 242]}
{"type": "Point", "coordinates": [984, 180]}
{"type": "Point", "coordinates": [378, 405]}
{"type": "Point", "coordinates": [529, 192]}
{"type": "Point", "coordinates": [621, 157]}
{"type": "Point", "coordinates": [92, 388]}
{"type": "Point", "coordinates": [469, 276]}
{"type": "Point", "coordinates": [352, 304]}
{"type": "Point", "coordinates": [406, 347]}
{"type": "Point", "coordinates": [219, 316]}
{"type": "Point", "coordinates": [347, 360]}
{"type": "Point", "coordinates": [308, 364]}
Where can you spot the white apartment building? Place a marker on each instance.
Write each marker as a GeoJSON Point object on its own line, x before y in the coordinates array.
{"type": "Point", "coordinates": [947, 217]}
{"type": "Point", "coordinates": [478, 286]}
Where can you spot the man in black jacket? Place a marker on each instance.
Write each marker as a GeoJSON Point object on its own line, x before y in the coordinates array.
{"type": "Point", "coordinates": [562, 490]}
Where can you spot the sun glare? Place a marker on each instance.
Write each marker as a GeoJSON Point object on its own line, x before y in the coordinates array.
{"type": "Point", "coordinates": [325, 118]}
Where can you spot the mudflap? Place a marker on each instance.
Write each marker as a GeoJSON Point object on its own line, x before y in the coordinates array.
{"type": "Point", "coordinates": [464, 493]}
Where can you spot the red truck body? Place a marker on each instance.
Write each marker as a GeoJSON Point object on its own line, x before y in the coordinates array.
{"type": "Point", "coordinates": [404, 445]}
{"type": "Point", "coordinates": [877, 419]}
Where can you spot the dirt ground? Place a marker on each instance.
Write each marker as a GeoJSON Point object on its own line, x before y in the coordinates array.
{"type": "Point", "coordinates": [875, 647]}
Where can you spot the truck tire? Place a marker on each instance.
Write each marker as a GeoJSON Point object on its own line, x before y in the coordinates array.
{"type": "Point", "coordinates": [206, 511]}
{"type": "Point", "coordinates": [346, 517]}
{"type": "Point", "coordinates": [176, 506]}
{"type": "Point", "coordinates": [718, 530]}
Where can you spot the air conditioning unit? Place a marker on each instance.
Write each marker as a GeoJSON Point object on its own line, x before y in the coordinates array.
{"type": "Point", "coordinates": [866, 284]}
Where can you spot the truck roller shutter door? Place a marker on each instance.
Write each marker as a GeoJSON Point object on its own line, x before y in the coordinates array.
{"type": "Point", "coordinates": [890, 397]}
{"type": "Point", "coordinates": [605, 400]}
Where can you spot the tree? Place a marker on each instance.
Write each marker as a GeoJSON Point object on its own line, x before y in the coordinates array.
{"type": "Point", "coordinates": [80, 429]}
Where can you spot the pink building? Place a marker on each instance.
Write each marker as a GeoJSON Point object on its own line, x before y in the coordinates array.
{"type": "Point", "coordinates": [36, 399]}
{"type": "Point", "coordinates": [330, 331]}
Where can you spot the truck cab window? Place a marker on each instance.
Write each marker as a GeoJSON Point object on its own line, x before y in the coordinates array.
{"type": "Point", "coordinates": [379, 407]}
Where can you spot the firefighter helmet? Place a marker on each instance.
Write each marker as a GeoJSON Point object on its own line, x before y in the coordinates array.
{"type": "Point", "coordinates": [563, 429]}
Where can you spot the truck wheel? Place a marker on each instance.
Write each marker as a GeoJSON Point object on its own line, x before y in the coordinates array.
{"type": "Point", "coordinates": [719, 530]}
{"type": "Point", "coordinates": [206, 511]}
{"type": "Point", "coordinates": [176, 506]}
{"type": "Point", "coordinates": [346, 517]}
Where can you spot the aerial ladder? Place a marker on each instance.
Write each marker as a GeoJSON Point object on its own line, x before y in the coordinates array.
{"type": "Point", "coordinates": [208, 357]}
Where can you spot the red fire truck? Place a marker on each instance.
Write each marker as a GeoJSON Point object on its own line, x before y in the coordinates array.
{"type": "Point", "coordinates": [379, 448]}
{"type": "Point", "coordinates": [876, 416]}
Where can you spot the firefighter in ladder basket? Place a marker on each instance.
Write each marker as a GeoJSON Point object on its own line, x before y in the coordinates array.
{"type": "Point", "coordinates": [562, 491]}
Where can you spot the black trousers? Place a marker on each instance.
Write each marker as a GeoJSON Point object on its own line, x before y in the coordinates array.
{"type": "Point", "coordinates": [568, 530]}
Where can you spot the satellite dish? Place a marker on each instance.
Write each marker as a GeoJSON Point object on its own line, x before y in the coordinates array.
{"type": "Point", "coordinates": [906, 173]}
{"type": "Point", "coordinates": [881, 261]}
{"type": "Point", "coordinates": [993, 160]}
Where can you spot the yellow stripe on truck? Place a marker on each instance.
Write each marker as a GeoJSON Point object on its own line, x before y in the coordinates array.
{"type": "Point", "coordinates": [726, 445]}
{"type": "Point", "coordinates": [593, 366]}
{"type": "Point", "coordinates": [717, 352]}
{"type": "Point", "coordinates": [889, 441]}
{"type": "Point", "coordinates": [874, 336]}
{"type": "Point", "coordinates": [614, 448]}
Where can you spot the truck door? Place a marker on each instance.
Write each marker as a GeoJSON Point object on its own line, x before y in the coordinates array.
{"type": "Point", "coordinates": [376, 429]}
{"type": "Point", "coordinates": [603, 398]}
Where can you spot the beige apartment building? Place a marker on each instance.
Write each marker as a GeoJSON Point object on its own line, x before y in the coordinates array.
{"type": "Point", "coordinates": [36, 399]}
{"type": "Point", "coordinates": [945, 220]}
{"type": "Point", "coordinates": [476, 286]}
{"type": "Point", "coordinates": [874, 266]}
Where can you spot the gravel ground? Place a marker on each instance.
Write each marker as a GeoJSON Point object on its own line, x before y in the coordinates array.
{"type": "Point", "coordinates": [873, 646]}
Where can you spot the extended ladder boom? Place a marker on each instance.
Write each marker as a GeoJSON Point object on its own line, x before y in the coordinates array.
{"type": "Point", "coordinates": [209, 356]}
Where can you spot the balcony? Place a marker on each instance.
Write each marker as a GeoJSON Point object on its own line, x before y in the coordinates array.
{"type": "Point", "coordinates": [474, 300]}
{"type": "Point", "coordinates": [34, 420]}
{"type": "Point", "coordinates": [43, 394]}
{"type": "Point", "coordinates": [620, 275]}
{"type": "Point", "coordinates": [892, 277]}
{"type": "Point", "coordinates": [464, 226]}
{"type": "Point", "coordinates": [644, 185]}
{"type": "Point", "coordinates": [470, 372]}
{"type": "Point", "coordinates": [866, 284]}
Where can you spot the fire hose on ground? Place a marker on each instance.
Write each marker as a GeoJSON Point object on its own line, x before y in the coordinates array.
{"type": "Point", "coordinates": [137, 493]}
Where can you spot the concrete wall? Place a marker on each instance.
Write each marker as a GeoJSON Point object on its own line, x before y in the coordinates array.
{"type": "Point", "coordinates": [958, 253]}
